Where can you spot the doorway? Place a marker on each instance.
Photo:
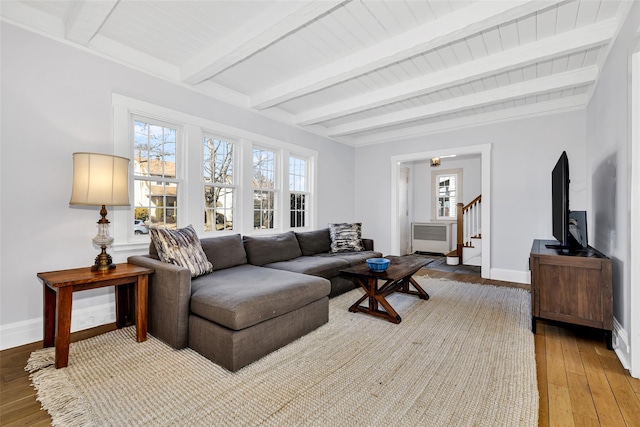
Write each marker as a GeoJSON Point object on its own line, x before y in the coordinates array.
{"type": "Point", "coordinates": [485, 155]}
{"type": "Point", "coordinates": [403, 210]}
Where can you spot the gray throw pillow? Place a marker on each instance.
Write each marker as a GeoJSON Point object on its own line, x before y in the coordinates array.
{"type": "Point", "coordinates": [314, 242]}
{"type": "Point", "coordinates": [226, 251]}
{"type": "Point", "coordinates": [263, 250]}
{"type": "Point", "coordinates": [346, 237]}
{"type": "Point", "coordinates": [181, 247]}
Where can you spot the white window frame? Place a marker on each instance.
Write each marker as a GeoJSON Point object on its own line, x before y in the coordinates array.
{"type": "Point", "coordinates": [277, 188]}
{"type": "Point", "coordinates": [234, 185]}
{"type": "Point", "coordinates": [435, 188]}
{"type": "Point", "coordinates": [304, 192]}
{"type": "Point", "coordinates": [178, 179]}
{"type": "Point", "coordinates": [192, 202]}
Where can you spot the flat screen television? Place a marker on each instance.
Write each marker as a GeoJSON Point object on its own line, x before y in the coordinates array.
{"type": "Point", "coordinates": [569, 228]}
{"type": "Point", "coordinates": [560, 201]}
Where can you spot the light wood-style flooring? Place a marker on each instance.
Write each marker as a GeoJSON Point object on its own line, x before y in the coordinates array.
{"type": "Point", "coordinates": [580, 382]}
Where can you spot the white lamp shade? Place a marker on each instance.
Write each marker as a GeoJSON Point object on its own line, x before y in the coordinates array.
{"type": "Point", "coordinates": [100, 179]}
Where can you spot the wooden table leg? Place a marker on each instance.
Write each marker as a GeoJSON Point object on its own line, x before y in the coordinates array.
{"type": "Point", "coordinates": [49, 316]}
{"type": "Point", "coordinates": [125, 304]}
{"type": "Point", "coordinates": [419, 292]}
{"type": "Point", "coordinates": [63, 326]}
{"type": "Point", "coordinates": [141, 290]}
{"type": "Point", "coordinates": [371, 291]}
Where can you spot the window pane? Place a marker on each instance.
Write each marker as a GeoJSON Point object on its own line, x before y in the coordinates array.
{"type": "Point", "coordinates": [218, 161]}
{"type": "Point", "coordinates": [263, 209]}
{"type": "Point", "coordinates": [298, 210]}
{"type": "Point", "coordinates": [155, 199]}
{"type": "Point", "coordinates": [158, 200]}
{"type": "Point", "coordinates": [297, 174]}
{"type": "Point", "coordinates": [155, 149]}
{"type": "Point", "coordinates": [218, 212]}
{"type": "Point", "coordinates": [447, 193]}
{"type": "Point", "coordinates": [263, 169]}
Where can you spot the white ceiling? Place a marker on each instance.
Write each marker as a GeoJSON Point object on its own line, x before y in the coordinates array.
{"type": "Point", "coordinates": [357, 71]}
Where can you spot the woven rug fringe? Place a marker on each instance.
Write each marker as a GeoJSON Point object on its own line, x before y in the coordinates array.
{"type": "Point", "coordinates": [59, 397]}
{"type": "Point", "coordinates": [40, 359]}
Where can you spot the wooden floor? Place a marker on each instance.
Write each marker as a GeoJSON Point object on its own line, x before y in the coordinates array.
{"type": "Point", "coordinates": [580, 382]}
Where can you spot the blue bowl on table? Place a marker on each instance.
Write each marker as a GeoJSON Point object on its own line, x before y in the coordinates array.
{"type": "Point", "coordinates": [378, 264]}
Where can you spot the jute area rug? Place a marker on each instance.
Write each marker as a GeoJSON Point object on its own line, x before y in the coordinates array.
{"type": "Point", "coordinates": [463, 358]}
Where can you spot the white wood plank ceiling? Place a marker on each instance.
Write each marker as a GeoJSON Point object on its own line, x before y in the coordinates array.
{"type": "Point", "coordinates": [357, 71]}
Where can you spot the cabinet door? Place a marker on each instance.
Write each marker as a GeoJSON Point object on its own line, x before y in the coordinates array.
{"type": "Point", "coordinates": [571, 293]}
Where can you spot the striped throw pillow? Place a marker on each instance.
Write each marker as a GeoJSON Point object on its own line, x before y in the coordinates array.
{"type": "Point", "coordinates": [181, 247]}
{"type": "Point", "coordinates": [346, 237]}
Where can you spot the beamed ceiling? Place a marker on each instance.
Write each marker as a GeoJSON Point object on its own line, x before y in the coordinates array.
{"type": "Point", "coordinates": [358, 71]}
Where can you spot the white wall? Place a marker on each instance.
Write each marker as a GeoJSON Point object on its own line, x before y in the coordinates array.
{"type": "Point", "coordinates": [423, 186]}
{"type": "Point", "coordinates": [523, 154]}
{"type": "Point", "coordinates": [56, 99]}
{"type": "Point", "coordinates": [608, 171]}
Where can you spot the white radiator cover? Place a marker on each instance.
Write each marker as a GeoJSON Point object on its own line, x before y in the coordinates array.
{"type": "Point", "coordinates": [430, 237]}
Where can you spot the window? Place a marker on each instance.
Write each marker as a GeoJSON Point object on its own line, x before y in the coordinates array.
{"type": "Point", "coordinates": [264, 189]}
{"type": "Point", "coordinates": [219, 186]}
{"type": "Point", "coordinates": [447, 193]}
{"type": "Point", "coordinates": [221, 179]}
{"type": "Point", "coordinates": [155, 173]}
{"type": "Point", "coordinates": [298, 192]}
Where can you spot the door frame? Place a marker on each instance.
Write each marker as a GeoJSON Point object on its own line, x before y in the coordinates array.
{"type": "Point", "coordinates": [485, 158]}
{"type": "Point", "coordinates": [408, 217]}
{"type": "Point", "coordinates": [634, 212]}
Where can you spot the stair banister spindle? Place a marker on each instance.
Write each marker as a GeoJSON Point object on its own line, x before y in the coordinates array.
{"type": "Point", "coordinates": [459, 230]}
{"type": "Point", "coordinates": [469, 223]}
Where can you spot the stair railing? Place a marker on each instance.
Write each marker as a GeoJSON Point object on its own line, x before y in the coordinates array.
{"type": "Point", "coordinates": [469, 224]}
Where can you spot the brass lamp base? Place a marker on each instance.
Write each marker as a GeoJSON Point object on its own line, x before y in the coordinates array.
{"type": "Point", "coordinates": [103, 261]}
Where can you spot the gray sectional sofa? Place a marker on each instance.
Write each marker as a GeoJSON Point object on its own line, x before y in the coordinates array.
{"type": "Point", "coordinates": [264, 292]}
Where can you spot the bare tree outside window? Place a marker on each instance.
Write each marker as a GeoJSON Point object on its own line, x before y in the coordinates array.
{"type": "Point", "coordinates": [218, 187]}
{"type": "Point", "coordinates": [264, 185]}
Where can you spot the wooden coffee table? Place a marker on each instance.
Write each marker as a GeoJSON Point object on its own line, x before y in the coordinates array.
{"type": "Point", "coordinates": [397, 278]}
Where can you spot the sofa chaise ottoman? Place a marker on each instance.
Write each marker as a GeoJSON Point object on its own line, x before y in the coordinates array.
{"type": "Point", "coordinates": [262, 294]}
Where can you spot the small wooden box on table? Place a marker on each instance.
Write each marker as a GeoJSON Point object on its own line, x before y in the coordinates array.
{"type": "Point", "coordinates": [60, 285]}
{"type": "Point", "coordinates": [572, 287]}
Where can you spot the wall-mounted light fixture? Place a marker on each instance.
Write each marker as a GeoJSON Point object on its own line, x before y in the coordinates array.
{"type": "Point", "coordinates": [435, 161]}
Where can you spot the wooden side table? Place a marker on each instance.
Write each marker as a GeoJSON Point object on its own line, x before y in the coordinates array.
{"type": "Point", "coordinates": [58, 290]}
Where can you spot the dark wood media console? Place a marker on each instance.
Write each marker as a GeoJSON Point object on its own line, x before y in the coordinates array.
{"type": "Point", "coordinates": [571, 287]}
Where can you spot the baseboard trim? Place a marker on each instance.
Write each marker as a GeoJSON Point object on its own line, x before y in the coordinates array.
{"type": "Point", "coordinates": [620, 339]}
{"type": "Point", "coordinates": [30, 331]}
{"type": "Point", "coordinates": [511, 276]}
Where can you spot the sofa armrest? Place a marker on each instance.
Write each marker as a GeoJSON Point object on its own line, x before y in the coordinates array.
{"type": "Point", "coordinates": [368, 244]}
{"type": "Point", "coordinates": [169, 298]}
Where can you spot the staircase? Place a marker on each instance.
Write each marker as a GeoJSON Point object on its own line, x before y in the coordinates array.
{"type": "Point", "coordinates": [469, 230]}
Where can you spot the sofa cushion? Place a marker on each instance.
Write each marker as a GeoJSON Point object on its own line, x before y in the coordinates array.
{"type": "Point", "coordinates": [352, 258]}
{"type": "Point", "coordinates": [346, 237]}
{"type": "Point", "coordinates": [224, 251]}
{"type": "Point", "coordinates": [326, 267]}
{"type": "Point", "coordinates": [263, 250]}
{"type": "Point", "coordinates": [246, 295]}
{"type": "Point", "coordinates": [314, 242]}
{"type": "Point", "coordinates": [181, 247]}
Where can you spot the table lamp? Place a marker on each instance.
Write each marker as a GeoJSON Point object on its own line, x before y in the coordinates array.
{"type": "Point", "coordinates": [100, 180]}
